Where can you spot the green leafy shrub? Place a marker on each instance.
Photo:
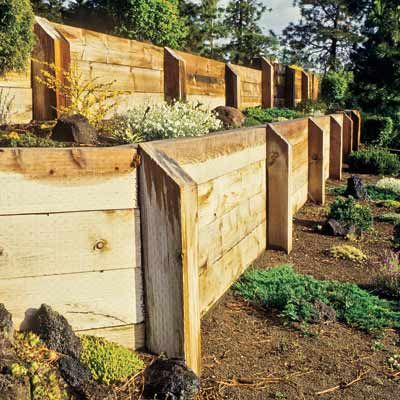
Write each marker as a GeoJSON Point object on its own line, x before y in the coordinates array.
{"type": "Point", "coordinates": [107, 361]}
{"type": "Point", "coordinates": [311, 107]}
{"type": "Point", "coordinates": [388, 275]}
{"type": "Point", "coordinates": [374, 160]}
{"type": "Point", "coordinates": [346, 252]}
{"type": "Point", "coordinates": [375, 193]}
{"type": "Point", "coordinates": [351, 213]}
{"type": "Point", "coordinates": [268, 115]}
{"type": "Point", "coordinates": [251, 121]}
{"type": "Point", "coordinates": [377, 130]}
{"type": "Point", "coordinates": [16, 34]}
{"type": "Point", "coordinates": [295, 295]}
{"type": "Point", "coordinates": [26, 139]}
{"type": "Point", "coordinates": [163, 121]}
{"type": "Point", "coordinates": [392, 218]}
{"type": "Point", "coordinates": [334, 88]}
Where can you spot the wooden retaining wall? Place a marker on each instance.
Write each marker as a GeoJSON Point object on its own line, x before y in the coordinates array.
{"type": "Point", "coordinates": [70, 237]}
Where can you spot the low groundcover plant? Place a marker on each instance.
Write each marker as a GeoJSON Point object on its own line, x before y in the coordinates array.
{"type": "Point", "coordinates": [296, 295]}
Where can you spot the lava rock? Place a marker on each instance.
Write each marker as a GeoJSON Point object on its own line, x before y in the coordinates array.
{"type": "Point", "coordinates": [74, 373]}
{"type": "Point", "coordinates": [323, 313]}
{"type": "Point", "coordinates": [56, 332]}
{"type": "Point", "coordinates": [356, 188]}
{"type": "Point", "coordinates": [335, 228]}
{"type": "Point", "coordinates": [12, 388]}
{"type": "Point", "coordinates": [170, 379]}
{"type": "Point", "coordinates": [75, 128]}
{"type": "Point", "coordinates": [231, 117]}
{"type": "Point", "coordinates": [6, 324]}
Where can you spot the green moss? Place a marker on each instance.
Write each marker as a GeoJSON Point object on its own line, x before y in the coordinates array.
{"type": "Point", "coordinates": [108, 361]}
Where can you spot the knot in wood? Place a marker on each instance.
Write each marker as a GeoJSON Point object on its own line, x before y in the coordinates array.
{"type": "Point", "coordinates": [100, 244]}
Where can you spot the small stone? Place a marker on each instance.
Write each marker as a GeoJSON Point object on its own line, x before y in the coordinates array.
{"type": "Point", "coordinates": [12, 388]}
{"type": "Point", "coordinates": [335, 228]}
{"type": "Point", "coordinates": [323, 313]}
{"type": "Point", "coordinates": [74, 373]}
{"type": "Point", "coordinates": [56, 332]}
{"type": "Point", "coordinates": [356, 188]}
{"type": "Point", "coordinates": [6, 324]}
{"type": "Point", "coordinates": [75, 128]}
{"type": "Point", "coordinates": [231, 117]}
{"type": "Point", "coordinates": [170, 379]}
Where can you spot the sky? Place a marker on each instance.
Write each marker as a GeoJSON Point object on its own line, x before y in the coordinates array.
{"type": "Point", "coordinates": [282, 14]}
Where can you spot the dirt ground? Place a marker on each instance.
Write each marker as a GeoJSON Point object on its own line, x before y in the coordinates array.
{"type": "Point", "coordinates": [250, 353]}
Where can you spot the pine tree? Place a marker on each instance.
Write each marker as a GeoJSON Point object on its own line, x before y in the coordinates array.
{"type": "Point", "coordinates": [51, 9]}
{"type": "Point", "coordinates": [326, 34]}
{"type": "Point", "coordinates": [246, 38]}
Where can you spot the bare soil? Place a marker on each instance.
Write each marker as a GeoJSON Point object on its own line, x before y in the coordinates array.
{"type": "Point", "coordinates": [251, 353]}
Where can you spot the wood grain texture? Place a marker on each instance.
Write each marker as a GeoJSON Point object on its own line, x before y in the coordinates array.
{"type": "Point", "coordinates": [316, 175]}
{"type": "Point", "coordinates": [217, 278]}
{"type": "Point", "coordinates": [347, 135]}
{"type": "Point", "coordinates": [233, 87]}
{"type": "Point", "coordinates": [305, 86]}
{"type": "Point", "coordinates": [267, 83]}
{"type": "Point", "coordinates": [88, 300]}
{"type": "Point", "coordinates": [249, 82]}
{"type": "Point", "coordinates": [62, 180]}
{"type": "Point", "coordinates": [64, 243]}
{"type": "Point", "coordinates": [336, 149]}
{"type": "Point", "coordinates": [131, 336]}
{"type": "Point", "coordinates": [168, 207]}
{"type": "Point", "coordinates": [175, 86]}
{"type": "Point", "coordinates": [279, 188]}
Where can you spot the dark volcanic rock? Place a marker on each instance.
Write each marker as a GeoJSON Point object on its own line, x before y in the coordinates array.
{"type": "Point", "coordinates": [335, 228]}
{"type": "Point", "coordinates": [74, 373]}
{"type": "Point", "coordinates": [56, 332]}
{"type": "Point", "coordinates": [323, 313]}
{"type": "Point", "coordinates": [231, 117]}
{"type": "Point", "coordinates": [12, 388]}
{"type": "Point", "coordinates": [170, 379]}
{"type": "Point", "coordinates": [6, 324]}
{"type": "Point", "coordinates": [356, 188]}
{"type": "Point", "coordinates": [75, 128]}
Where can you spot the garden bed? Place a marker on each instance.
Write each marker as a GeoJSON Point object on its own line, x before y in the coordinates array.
{"type": "Point", "coordinates": [250, 353]}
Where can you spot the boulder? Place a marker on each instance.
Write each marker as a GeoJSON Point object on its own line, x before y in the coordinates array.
{"type": "Point", "coordinates": [74, 128]}
{"type": "Point", "coordinates": [231, 117]}
{"type": "Point", "coordinates": [356, 188]}
{"type": "Point", "coordinates": [170, 379]}
{"type": "Point", "coordinates": [6, 324]}
{"type": "Point", "coordinates": [323, 313]}
{"type": "Point", "coordinates": [74, 373]}
{"type": "Point", "coordinates": [56, 332]}
{"type": "Point", "coordinates": [12, 388]}
{"type": "Point", "coordinates": [335, 228]}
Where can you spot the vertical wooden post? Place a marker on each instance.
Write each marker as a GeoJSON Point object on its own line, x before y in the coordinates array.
{"type": "Point", "coordinates": [168, 205]}
{"type": "Point", "coordinates": [174, 76]}
{"type": "Point", "coordinates": [267, 83]}
{"type": "Point", "coordinates": [290, 95]}
{"type": "Point", "coordinates": [315, 87]}
{"type": "Point", "coordinates": [336, 150]}
{"type": "Point", "coordinates": [279, 187]}
{"type": "Point", "coordinates": [356, 117]}
{"type": "Point", "coordinates": [347, 135]}
{"type": "Point", "coordinates": [305, 86]}
{"type": "Point", "coordinates": [232, 87]}
{"type": "Point", "coordinates": [316, 178]}
{"type": "Point", "coordinates": [51, 48]}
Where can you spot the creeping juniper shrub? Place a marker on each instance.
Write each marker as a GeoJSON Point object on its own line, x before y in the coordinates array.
{"type": "Point", "coordinates": [377, 130]}
{"type": "Point", "coordinates": [374, 192]}
{"type": "Point", "coordinates": [107, 361]}
{"type": "Point", "coordinates": [27, 139]}
{"type": "Point", "coordinates": [296, 295]}
{"type": "Point", "coordinates": [374, 160]}
{"type": "Point", "coordinates": [391, 218]}
{"type": "Point", "coordinates": [350, 213]}
{"type": "Point", "coordinates": [268, 115]}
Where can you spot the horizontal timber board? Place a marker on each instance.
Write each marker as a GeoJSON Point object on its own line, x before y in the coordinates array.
{"type": "Point", "coordinates": [223, 234]}
{"type": "Point", "coordinates": [221, 195]}
{"type": "Point", "coordinates": [217, 278]}
{"type": "Point", "coordinates": [62, 243]}
{"type": "Point", "coordinates": [89, 300]}
{"type": "Point", "coordinates": [131, 336]}
{"type": "Point", "coordinates": [64, 180]}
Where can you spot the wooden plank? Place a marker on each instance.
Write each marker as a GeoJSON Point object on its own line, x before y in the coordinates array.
{"type": "Point", "coordinates": [316, 177]}
{"type": "Point", "coordinates": [207, 100]}
{"type": "Point", "coordinates": [220, 236]}
{"type": "Point", "coordinates": [217, 278]}
{"type": "Point", "coordinates": [88, 300]}
{"type": "Point", "coordinates": [336, 150]}
{"type": "Point", "coordinates": [356, 118]}
{"type": "Point", "coordinates": [62, 180]}
{"type": "Point", "coordinates": [131, 336]}
{"type": "Point", "coordinates": [219, 196]}
{"type": "Point", "coordinates": [279, 184]}
{"type": "Point", "coordinates": [168, 202]}
{"type": "Point", "coordinates": [294, 131]}
{"type": "Point", "coordinates": [299, 198]}
{"type": "Point", "coordinates": [232, 87]}
{"type": "Point", "coordinates": [50, 244]}
{"type": "Point", "coordinates": [268, 87]}
{"type": "Point", "coordinates": [347, 135]}
{"type": "Point", "coordinates": [21, 103]}
{"type": "Point", "coordinates": [17, 79]}
{"type": "Point", "coordinates": [174, 76]}
{"type": "Point", "coordinates": [305, 86]}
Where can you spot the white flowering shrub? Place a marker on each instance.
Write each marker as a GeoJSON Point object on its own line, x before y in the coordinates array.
{"type": "Point", "coordinates": [392, 184]}
{"type": "Point", "coordinates": [163, 121]}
